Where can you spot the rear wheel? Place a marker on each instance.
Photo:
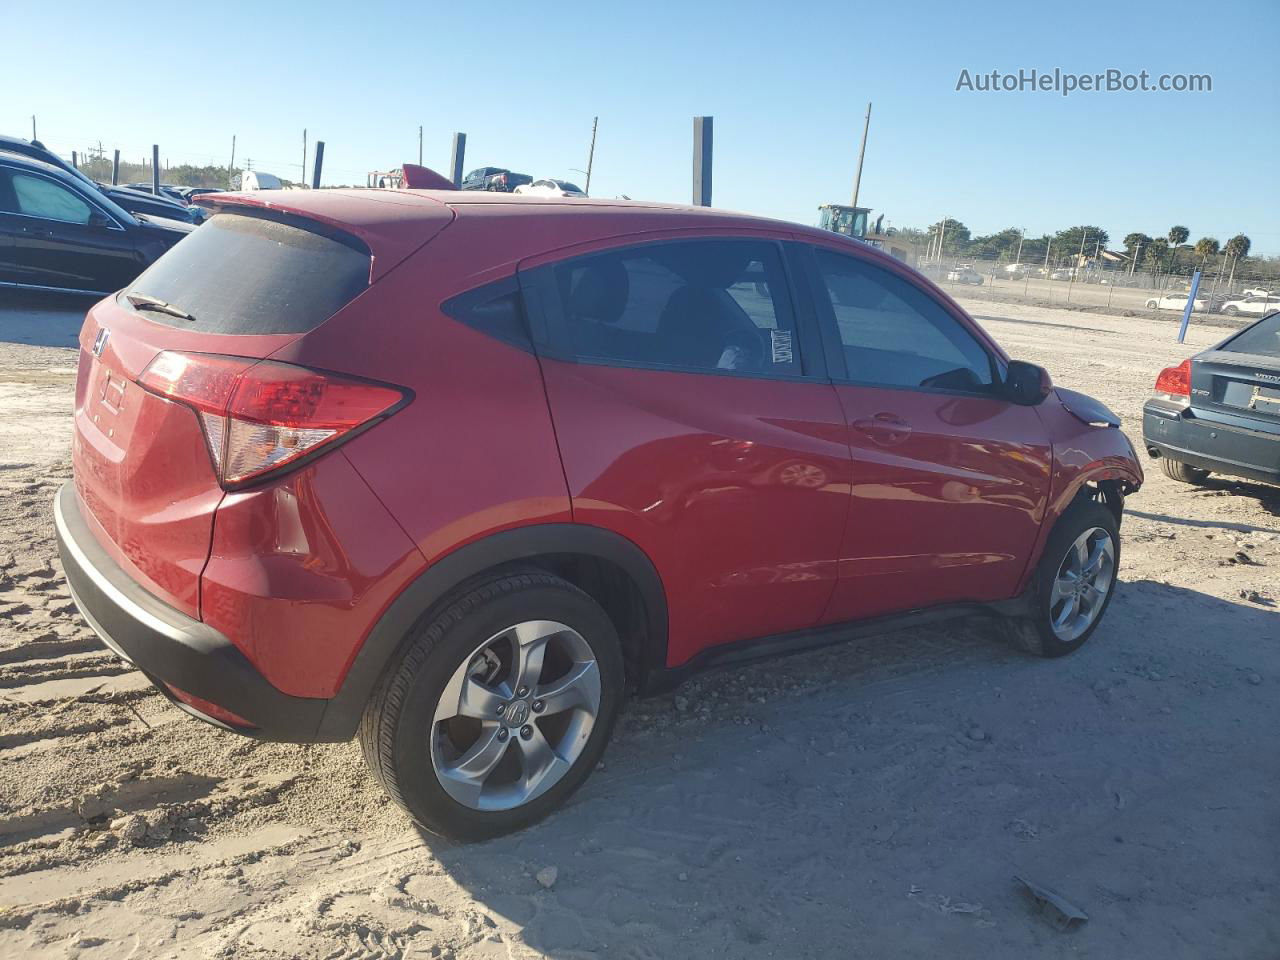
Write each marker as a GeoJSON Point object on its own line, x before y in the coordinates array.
{"type": "Point", "coordinates": [1230, 311]}
{"type": "Point", "coordinates": [1182, 472]}
{"type": "Point", "coordinates": [499, 709]}
{"type": "Point", "coordinates": [1073, 583]}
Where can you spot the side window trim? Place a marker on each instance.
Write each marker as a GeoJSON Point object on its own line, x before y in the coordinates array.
{"type": "Point", "coordinates": [461, 308]}
{"type": "Point", "coordinates": [553, 339]}
{"type": "Point", "coordinates": [834, 349]}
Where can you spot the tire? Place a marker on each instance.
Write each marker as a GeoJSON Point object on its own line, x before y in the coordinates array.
{"type": "Point", "coordinates": [1036, 634]}
{"type": "Point", "coordinates": [1230, 311]}
{"type": "Point", "coordinates": [1182, 472]}
{"type": "Point", "coordinates": [405, 742]}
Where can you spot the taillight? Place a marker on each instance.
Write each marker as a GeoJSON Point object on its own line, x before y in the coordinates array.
{"type": "Point", "coordinates": [1174, 383]}
{"type": "Point", "coordinates": [259, 415]}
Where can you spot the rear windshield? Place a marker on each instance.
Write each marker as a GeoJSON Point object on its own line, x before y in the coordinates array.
{"type": "Point", "coordinates": [249, 275]}
{"type": "Point", "coordinates": [1262, 339]}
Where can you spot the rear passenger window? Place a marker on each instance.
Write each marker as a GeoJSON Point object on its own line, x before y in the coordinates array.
{"type": "Point", "coordinates": [893, 333]}
{"type": "Point", "coordinates": [715, 305]}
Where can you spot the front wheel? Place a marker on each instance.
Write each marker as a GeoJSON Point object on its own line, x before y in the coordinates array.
{"type": "Point", "coordinates": [499, 709]}
{"type": "Point", "coordinates": [1230, 311]}
{"type": "Point", "coordinates": [1073, 583]}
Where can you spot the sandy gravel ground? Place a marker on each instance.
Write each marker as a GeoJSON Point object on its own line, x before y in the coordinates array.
{"type": "Point", "coordinates": [872, 800]}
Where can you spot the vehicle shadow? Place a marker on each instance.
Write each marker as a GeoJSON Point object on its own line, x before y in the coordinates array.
{"type": "Point", "coordinates": [1267, 497]}
{"type": "Point", "coordinates": [44, 320]}
{"type": "Point", "coordinates": [885, 792]}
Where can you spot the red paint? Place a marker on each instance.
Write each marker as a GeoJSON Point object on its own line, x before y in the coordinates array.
{"type": "Point", "coordinates": [766, 506]}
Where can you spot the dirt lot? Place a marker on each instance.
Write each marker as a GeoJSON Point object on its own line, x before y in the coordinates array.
{"type": "Point", "coordinates": [872, 800]}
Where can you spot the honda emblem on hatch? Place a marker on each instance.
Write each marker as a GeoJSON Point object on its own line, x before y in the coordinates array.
{"type": "Point", "coordinates": [100, 341]}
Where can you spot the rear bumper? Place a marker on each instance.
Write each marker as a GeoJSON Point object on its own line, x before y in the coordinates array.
{"type": "Point", "coordinates": [1169, 430]}
{"type": "Point", "coordinates": [172, 648]}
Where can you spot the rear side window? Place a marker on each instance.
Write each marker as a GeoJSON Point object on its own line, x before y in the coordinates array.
{"type": "Point", "coordinates": [1262, 339]}
{"type": "Point", "coordinates": [895, 334]}
{"type": "Point", "coordinates": [716, 305]}
{"type": "Point", "coordinates": [242, 274]}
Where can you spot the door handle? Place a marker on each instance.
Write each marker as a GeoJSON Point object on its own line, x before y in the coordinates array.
{"type": "Point", "coordinates": [885, 429]}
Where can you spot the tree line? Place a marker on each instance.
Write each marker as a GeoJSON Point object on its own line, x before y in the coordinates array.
{"type": "Point", "coordinates": [1170, 253]}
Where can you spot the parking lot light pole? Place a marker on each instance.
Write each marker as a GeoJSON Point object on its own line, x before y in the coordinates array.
{"type": "Point", "coordinates": [155, 169]}
{"type": "Point", "coordinates": [315, 168]}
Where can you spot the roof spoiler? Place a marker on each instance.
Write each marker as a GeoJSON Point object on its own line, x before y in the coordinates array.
{"type": "Point", "coordinates": [424, 178]}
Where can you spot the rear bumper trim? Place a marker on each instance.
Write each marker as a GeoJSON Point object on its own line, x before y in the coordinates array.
{"type": "Point", "coordinates": [1218, 447]}
{"type": "Point", "coordinates": [166, 644]}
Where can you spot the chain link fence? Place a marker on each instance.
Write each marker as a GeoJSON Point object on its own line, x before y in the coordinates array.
{"type": "Point", "coordinates": [1104, 287]}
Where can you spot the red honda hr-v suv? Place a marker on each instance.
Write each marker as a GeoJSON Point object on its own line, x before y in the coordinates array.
{"type": "Point", "coordinates": [452, 471]}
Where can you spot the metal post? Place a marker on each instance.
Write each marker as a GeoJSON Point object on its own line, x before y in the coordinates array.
{"type": "Point", "coordinates": [1022, 236]}
{"type": "Point", "coordinates": [316, 167]}
{"type": "Point", "coordinates": [33, 127]}
{"type": "Point", "coordinates": [115, 169]}
{"type": "Point", "coordinates": [455, 161]}
{"type": "Point", "coordinates": [1191, 302]}
{"type": "Point", "coordinates": [702, 143]}
{"type": "Point", "coordinates": [232, 165]}
{"type": "Point", "coordinates": [155, 169]}
{"type": "Point", "coordinates": [591, 154]}
{"type": "Point", "coordinates": [857, 180]}
{"type": "Point", "coordinates": [75, 160]}
{"type": "Point", "coordinates": [304, 157]}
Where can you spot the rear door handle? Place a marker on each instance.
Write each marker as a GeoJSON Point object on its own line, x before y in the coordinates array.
{"type": "Point", "coordinates": [885, 429]}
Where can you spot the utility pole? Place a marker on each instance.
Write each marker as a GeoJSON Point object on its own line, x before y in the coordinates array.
{"type": "Point", "coordinates": [857, 180]}
{"type": "Point", "coordinates": [419, 144]}
{"type": "Point", "coordinates": [1021, 236]}
{"type": "Point", "coordinates": [591, 154]}
{"type": "Point", "coordinates": [33, 127]}
{"type": "Point", "coordinates": [75, 162]}
{"type": "Point", "coordinates": [942, 236]}
{"type": "Point", "coordinates": [304, 156]}
{"type": "Point", "coordinates": [232, 165]}
{"type": "Point", "coordinates": [115, 169]}
{"type": "Point", "coordinates": [155, 169]}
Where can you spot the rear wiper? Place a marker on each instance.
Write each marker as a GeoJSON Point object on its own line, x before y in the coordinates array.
{"type": "Point", "coordinates": [142, 301]}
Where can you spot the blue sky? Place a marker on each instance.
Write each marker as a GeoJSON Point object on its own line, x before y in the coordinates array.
{"type": "Point", "coordinates": [787, 84]}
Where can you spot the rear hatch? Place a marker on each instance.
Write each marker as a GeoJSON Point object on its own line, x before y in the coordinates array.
{"type": "Point", "coordinates": [1239, 381]}
{"type": "Point", "coordinates": [245, 284]}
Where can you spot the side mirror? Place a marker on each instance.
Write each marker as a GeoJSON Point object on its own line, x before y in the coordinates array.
{"type": "Point", "coordinates": [1026, 384]}
{"type": "Point", "coordinates": [99, 219]}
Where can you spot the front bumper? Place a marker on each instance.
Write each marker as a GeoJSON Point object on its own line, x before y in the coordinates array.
{"type": "Point", "coordinates": [1174, 431]}
{"type": "Point", "coordinates": [172, 648]}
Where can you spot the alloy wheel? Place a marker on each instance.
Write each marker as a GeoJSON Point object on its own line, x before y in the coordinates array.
{"type": "Point", "coordinates": [1084, 580]}
{"type": "Point", "coordinates": [515, 715]}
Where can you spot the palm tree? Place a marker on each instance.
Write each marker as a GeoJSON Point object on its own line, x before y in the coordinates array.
{"type": "Point", "coordinates": [1206, 247]}
{"type": "Point", "coordinates": [1156, 251]}
{"type": "Point", "coordinates": [1237, 247]}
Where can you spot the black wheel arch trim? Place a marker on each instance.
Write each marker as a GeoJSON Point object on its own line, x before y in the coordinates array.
{"type": "Point", "coordinates": [506, 548]}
